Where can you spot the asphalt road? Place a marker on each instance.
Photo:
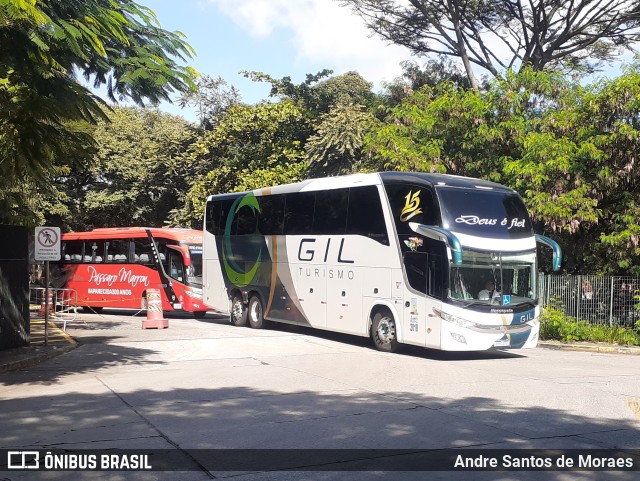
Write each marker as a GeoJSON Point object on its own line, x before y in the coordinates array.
{"type": "Point", "coordinates": [204, 384]}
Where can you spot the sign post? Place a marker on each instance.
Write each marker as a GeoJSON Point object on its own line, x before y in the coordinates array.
{"type": "Point", "coordinates": [47, 248]}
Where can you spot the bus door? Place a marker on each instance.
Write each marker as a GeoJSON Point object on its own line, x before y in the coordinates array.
{"type": "Point", "coordinates": [175, 268]}
{"type": "Point", "coordinates": [426, 279]}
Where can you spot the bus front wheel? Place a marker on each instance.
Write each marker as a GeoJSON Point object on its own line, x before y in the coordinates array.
{"type": "Point", "coordinates": [238, 312]}
{"type": "Point", "coordinates": [383, 332]}
{"type": "Point", "coordinates": [256, 313]}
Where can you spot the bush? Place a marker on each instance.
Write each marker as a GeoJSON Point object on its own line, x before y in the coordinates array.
{"type": "Point", "coordinates": [556, 326]}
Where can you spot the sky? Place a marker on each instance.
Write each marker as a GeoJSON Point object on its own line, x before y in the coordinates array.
{"type": "Point", "coordinates": [280, 38]}
{"type": "Point", "coordinates": [277, 37]}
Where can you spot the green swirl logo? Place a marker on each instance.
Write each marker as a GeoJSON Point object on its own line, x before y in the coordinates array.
{"type": "Point", "coordinates": [239, 276]}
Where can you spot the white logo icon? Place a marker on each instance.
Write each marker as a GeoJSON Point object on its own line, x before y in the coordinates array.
{"type": "Point", "coordinates": [23, 459]}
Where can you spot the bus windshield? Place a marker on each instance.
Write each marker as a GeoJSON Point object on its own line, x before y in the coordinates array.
{"type": "Point", "coordinates": [495, 278]}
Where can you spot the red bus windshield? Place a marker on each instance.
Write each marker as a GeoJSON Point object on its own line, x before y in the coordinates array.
{"type": "Point", "coordinates": [115, 267]}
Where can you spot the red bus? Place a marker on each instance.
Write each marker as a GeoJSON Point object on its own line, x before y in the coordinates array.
{"type": "Point", "coordinates": [114, 267]}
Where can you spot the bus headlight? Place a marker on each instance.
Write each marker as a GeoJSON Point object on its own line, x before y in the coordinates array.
{"type": "Point", "coordinates": [454, 319]}
{"type": "Point", "coordinates": [194, 293]}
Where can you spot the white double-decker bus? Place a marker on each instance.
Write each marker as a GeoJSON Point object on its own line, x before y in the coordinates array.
{"type": "Point", "coordinates": [439, 261]}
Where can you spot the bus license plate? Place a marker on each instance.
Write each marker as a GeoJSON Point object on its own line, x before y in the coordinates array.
{"type": "Point", "coordinates": [502, 343]}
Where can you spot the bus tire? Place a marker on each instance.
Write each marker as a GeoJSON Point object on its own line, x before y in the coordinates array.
{"type": "Point", "coordinates": [256, 313]}
{"type": "Point", "coordinates": [238, 314]}
{"type": "Point", "coordinates": [383, 332]}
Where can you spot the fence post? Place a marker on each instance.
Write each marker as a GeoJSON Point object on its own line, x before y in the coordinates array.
{"type": "Point", "coordinates": [578, 297]}
{"type": "Point", "coordinates": [611, 304]}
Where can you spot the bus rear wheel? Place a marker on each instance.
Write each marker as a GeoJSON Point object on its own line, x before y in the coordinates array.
{"type": "Point", "coordinates": [238, 312]}
{"type": "Point", "coordinates": [256, 313]}
{"type": "Point", "coordinates": [383, 332]}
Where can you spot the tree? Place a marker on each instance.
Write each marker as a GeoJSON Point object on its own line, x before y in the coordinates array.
{"type": "Point", "coordinates": [115, 43]}
{"type": "Point", "coordinates": [414, 77]}
{"type": "Point", "coordinates": [302, 94]}
{"type": "Point", "coordinates": [497, 35]}
{"type": "Point", "coordinates": [251, 147]}
{"type": "Point", "coordinates": [213, 98]}
{"type": "Point", "coordinates": [336, 147]}
{"type": "Point", "coordinates": [569, 150]}
{"type": "Point", "coordinates": [580, 175]}
{"type": "Point", "coordinates": [317, 94]}
{"type": "Point", "coordinates": [139, 172]}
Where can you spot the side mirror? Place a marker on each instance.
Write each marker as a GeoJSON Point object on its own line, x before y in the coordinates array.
{"type": "Point", "coordinates": [438, 233]}
{"type": "Point", "coordinates": [557, 251]}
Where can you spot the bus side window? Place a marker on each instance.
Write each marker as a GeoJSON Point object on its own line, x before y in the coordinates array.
{"type": "Point", "coordinates": [118, 250]}
{"type": "Point", "coordinates": [212, 219]}
{"type": "Point", "coordinates": [271, 216]}
{"type": "Point", "coordinates": [247, 221]}
{"type": "Point", "coordinates": [94, 251]}
{"type": "Point", "coordinates": [143, 253]}
{"type": "Point", "coordinates": [365, 215]}
{"type": "Point", "coordinates": [331, 212]}
{"type": "Point", "coordinates": [72, 250]}
{"type": "Point", "coordinates": [299, 213]}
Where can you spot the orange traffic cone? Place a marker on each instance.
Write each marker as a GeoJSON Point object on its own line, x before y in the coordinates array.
{"type": "Point", "coordinates": [47, 304]}
{"type": "Point", "coordinates": [155, 317]}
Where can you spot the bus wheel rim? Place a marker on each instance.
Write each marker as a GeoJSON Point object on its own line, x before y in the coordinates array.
{"type": "Point", "coordinates": [256, 311]}
{"type": "Point", "coordinates": [386, 330]}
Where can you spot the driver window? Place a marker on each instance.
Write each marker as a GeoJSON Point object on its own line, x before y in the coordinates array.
{"type": "Point", "coordinates": [176, 266]}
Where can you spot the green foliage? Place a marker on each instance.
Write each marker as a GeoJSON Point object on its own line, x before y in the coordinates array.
{"type": "Point", "coordinates": [251, 147]}
{"type": "Point", "coordinates": [137, 175]}
{"type": "Point", "coordinates": [414, 77]}
{"type": "Point", "coordinates": [442, 129]}
{"type": "Point", "coordinates": [554, 325]}
{"type": "Point", "coordinates": [569, 150]}
{"type": "Point", "coordinates": [115, 43]}
{"type": "Point", "coordinates": [213, 97]}
{"type": "Point", "coordinates": [337, 144]}
{"type": "Point", "coordinates": [317, 94]}
{"type": "Point", "coordinates": [255, 136]}
{"type": "Point", "coordinates": [226, 179]}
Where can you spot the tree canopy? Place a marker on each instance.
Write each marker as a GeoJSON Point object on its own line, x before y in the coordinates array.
{"type": "Point", "coordinates": [44, 45]}
{"type": "Point", "coordinates": [498, 35]}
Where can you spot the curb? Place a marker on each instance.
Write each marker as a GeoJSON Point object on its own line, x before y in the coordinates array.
{"type": "Point", "coordinates": [32, 358]}
{"type": "Point", "coordinates": [590, 347]}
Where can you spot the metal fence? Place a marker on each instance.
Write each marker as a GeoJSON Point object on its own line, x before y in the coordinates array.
{"type": "Point", "coordinates": [62, 304]}
{"type": "Point", "coordinates": [596, 299]}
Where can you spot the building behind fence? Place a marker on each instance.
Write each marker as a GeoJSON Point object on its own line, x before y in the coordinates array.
{"type": "Point", "coordinates": [596, 299]}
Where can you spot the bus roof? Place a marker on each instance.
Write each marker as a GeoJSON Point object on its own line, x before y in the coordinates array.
{"type": "Point", "coordinates": [189, 236]}
{"type": "Point", "coordinates": [326, 183]}
{"type": "Point", "coordinates": [441, 180]}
